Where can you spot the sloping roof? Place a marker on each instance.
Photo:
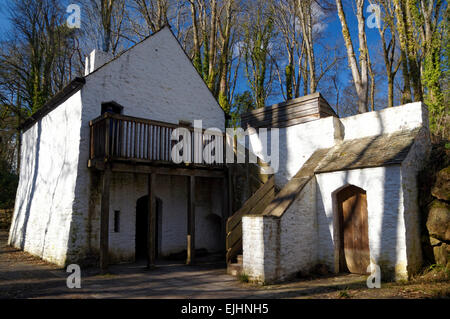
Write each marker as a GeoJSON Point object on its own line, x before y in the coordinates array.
{"type": "Point", "coordinates": [74, 85]}
{"type": "Point", "coordinates": [70, 89]}
{"type": "Point", "coordinates": [373, 151]}
{"type": "Point", "coordinates": [78, 83]}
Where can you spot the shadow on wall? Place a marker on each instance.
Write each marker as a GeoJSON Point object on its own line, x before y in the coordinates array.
{"type": "Point", "coordinates": [386, 246]}
{"type": "Point", "coordinates": [31, 186]}
{"type": "Point", "coordinates": [63, 174]}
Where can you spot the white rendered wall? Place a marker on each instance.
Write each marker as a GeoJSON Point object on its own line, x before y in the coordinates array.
{"type": "Point", "coordinates": [298, 142]}
{"type": "Point", "coordinates": [278, 248]}
{"type": "Point", "coordinates": [388, 120]}
{"type": "Point", "coordinates": [153, 80]}
{"type": "Point", "coordinates": [260, 246]}
{"type": "Point", "coordinates": [127, 188]}
{"type": "Point", "coordinates": [386, 222]}
{"type": "Point", "coordinates": [46, 193]}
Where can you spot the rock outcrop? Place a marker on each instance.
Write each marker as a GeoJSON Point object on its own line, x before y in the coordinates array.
{"type": "Point", "coordinates": [438, 220]}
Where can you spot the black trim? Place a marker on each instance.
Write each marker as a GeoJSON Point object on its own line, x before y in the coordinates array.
{"type": "Point", "coordinates": [54, 102]}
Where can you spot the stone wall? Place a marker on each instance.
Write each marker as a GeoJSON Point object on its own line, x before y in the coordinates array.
{"type": "Point", "coordinates": [386, 222]}
{"type": "Point", "coordinates": [127, 188]}
{"type": "Point", "coordinates": [297, 143]}
{"type": "Point", "coordinates": [153, 80]}
{"type": "Point", "coordinates": [385, 121]}
{"type": "Point", "coordinates": [307, 232]}
{"type": "Point", "coordinates": [45, 197]}
{"type": "Point", "coordinates": [278, 248]}
{"type": "Point", "coordinates": [56, 212]}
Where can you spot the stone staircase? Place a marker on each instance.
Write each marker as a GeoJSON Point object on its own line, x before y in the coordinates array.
{"type": "Point", "coordinates": [256, 205]}
{"type": "Point", "coordinates": [267, 201]}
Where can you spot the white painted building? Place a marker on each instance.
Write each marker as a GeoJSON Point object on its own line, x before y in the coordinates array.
{"type": "Point", "coordinates": [97, 180]}
{"type": "Point", "coordinates": [373, 157]}
{"type": "Point", "coordinates": [58, 202]}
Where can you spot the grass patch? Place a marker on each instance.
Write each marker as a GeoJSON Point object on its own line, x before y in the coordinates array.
{"type": "Point", "coordinates": [243, 278]}
{"type": "Point", "coordinates": [344, 294]}
{"type": "Point", "coordinates": [433, 273]}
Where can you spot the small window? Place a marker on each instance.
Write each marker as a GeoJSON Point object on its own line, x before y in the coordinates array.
{"type": "Point", "coordinates": [116, 221]}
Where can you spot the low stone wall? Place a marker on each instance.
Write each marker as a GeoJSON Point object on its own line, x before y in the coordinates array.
{"type": "Point", "coordinates": [277, 248]}
{"type": "Point", "coordinates": [5, 218]}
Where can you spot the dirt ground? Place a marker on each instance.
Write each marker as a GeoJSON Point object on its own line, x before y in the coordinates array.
{"type": "Point", "coordinates": [25, 276]}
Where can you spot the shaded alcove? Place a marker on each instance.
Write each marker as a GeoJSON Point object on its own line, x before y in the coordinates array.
{"type": "Point", "coordinates": [142, 227]}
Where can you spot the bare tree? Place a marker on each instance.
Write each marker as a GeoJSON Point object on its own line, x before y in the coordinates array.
{"type": "Point", "coordinates": [360, 73]}
{"type": "Point", "coordinates": [258, 32]}
{"type": "Point", "coordinates": [391, 62]}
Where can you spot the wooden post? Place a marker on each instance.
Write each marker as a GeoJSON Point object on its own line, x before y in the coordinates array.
{"type": "Point", "coordinates": [225, 209]}
{"type": "Point", "coordinates": [151, 251]}
{"type": "Point", "coordinates": [104, 220]}
{"type": "Point", "coordinates": [229, 177]}
{"type": "Point", "coordinates": [107, 137]}
{"type": "Point", "coordinates": [191, 221]}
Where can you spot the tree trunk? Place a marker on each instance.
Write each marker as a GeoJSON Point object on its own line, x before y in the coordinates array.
{"type": "Point", "coordinates": [359, 77]}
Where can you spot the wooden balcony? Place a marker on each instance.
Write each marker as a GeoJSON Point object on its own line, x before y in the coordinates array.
{"type": "Point", "coordinates": [122, 141]}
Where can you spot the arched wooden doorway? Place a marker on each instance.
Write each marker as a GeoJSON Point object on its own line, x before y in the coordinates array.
{"type": "Point", "coordinates": [354, 254]}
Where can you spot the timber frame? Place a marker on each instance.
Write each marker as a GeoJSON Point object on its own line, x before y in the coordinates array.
{"type": "Point", "coordinates": [123, 144]}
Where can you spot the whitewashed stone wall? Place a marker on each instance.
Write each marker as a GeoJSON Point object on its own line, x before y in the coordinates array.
{"type": "Point", "coordinates": [153, 80]}
{"type": "Point", "coordinates": [275, 248]}
{"type": "Point", "coordinates": [386, 223]}
{"type": "Point", "coordinates": [260, 243]}
{"type": "Point", "coordinates": [127, 188]}
{"type": "Point", "coordinates": [297, 143]}
{"type": "Point", "coordinates": [299, 235]}
{"type": "Point", "coordinates": [58, 199]}
{"type": "Point", "coordinates": [278, 248]}
{"type": "Point", "coordinates": [411, 166]}
{"type": "Point", "coordinates": [42, 221]}
{"type": "Point", "coordinates": [385, 121]}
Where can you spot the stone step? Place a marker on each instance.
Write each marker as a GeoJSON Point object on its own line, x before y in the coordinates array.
{"type": "Point", "coordinates": [234, 269]}
{"type": "Point", "coordinates": [239, 259]}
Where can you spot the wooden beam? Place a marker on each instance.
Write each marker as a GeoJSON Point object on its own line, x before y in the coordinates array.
{"type": "Point", "coordinates": [159, 170]}
{"type": "Point", "coordinates": [104, 220]}
{"type": "Point", "coordinates": [191, 221]}
{"type": "Point", "coordinates": [151, 253]}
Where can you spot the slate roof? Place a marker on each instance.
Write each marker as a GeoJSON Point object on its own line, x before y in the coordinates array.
{"type": "Point", "coordinates": [372, 151]}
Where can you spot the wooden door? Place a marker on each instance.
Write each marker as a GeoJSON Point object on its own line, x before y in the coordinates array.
{"type": "Point", "coordinates": [353, 226]}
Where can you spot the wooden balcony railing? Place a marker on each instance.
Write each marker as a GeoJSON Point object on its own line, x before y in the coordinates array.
{"type": "Point", "coordinates": [119, 137]}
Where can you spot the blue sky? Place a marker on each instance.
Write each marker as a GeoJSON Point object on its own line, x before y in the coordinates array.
{"type": "Point", "coordinates": [332, 33]}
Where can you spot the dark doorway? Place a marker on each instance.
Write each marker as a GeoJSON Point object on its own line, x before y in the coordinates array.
{"type": "Point", "coordinates": [354, 254]}
{"type": "Point", "coordinates": [142, 227]}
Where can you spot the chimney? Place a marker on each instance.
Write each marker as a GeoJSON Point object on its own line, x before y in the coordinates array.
{"type": "Point", "coordinates": [96, 59]}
